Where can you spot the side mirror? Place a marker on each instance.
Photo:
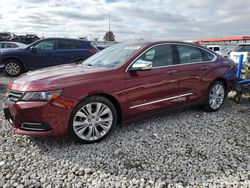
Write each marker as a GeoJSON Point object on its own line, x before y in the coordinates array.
{"type": "Point", "coordinates": [33, 49]}
{"type": "Point", "coordinates": [141, 65]}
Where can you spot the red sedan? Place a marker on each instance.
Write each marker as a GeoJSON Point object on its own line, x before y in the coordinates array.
{"type": "Point", "coordinates": [117, 84]}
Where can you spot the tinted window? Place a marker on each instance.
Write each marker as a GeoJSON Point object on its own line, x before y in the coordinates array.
{"type": "Point", "coordinates": [66, 44]}
{"type": "Point", "coordinates": [242, 48]}
{"type": "Point", "coordinates": [189, 54]}
{"type": "Point", "coordinates": [46, 45]}
{"type": "Point", "coordinates": [216, 49]}
{"type": "Point", "coordinates": [207, 56]}
{"type": "Point", "coordinates": [7, 45]}
{"type": "Point", "coordinates": [13, 45]}
{"type": "Point", "coordinates": [160, 56]}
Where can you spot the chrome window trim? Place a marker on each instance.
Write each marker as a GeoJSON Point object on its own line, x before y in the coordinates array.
{"type": "Point", "coordinates": [214, 59]}
{"type": "Point", "coordinates": [161, 100]}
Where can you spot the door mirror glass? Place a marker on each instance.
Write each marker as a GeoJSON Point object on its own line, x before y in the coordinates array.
{"type": "Point", "coordinates": [141, 65]}
{"type": "Point", "coordinates": [33, 49]}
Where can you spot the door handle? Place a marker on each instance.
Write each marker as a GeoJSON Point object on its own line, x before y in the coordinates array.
{"type": "Point", "coordinates": [204, 67]}
{"type": "Point", "coordinates": [171, 72]}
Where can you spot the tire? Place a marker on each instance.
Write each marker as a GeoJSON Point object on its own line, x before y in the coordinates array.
{"type": "Point", "coordinates": [215, 97]}
{"type": "Point", "coordinates": [237, 98]}
{"type": "Point", "coordinates": [13, 67]}
{"type": "Point", "coordinates": [93, 119]}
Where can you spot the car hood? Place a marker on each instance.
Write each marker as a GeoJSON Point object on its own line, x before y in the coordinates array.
{"type": "Point", "coordinates": [54, 77]}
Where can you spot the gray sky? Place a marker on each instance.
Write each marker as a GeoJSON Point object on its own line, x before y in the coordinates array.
{"type": "Point", "coordinates": [130, 19]}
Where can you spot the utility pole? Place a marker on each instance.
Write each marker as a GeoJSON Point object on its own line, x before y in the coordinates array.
{"type": "Point", "coordinates": [109, 28]}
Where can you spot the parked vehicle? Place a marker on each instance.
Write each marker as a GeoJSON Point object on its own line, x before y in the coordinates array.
{"type": "Point", "coordinates": [45, 53]}
{"type": "Point", "coordinates": [11, 45]}
{"type": "Point", "coordinates": [117, 84]}
{"type": "Point", "coordinates": [241, 49]}
{"type": "Point", "coordinates": [218, 50]}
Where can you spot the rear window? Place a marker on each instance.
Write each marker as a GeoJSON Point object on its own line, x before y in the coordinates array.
{"type": "Point", "coordinates": [242, 48]}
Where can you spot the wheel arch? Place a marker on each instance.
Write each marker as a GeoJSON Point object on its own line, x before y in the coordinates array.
{"type": "Point", "coordinates": [14, 58]}
{"type": "Point", "coordinates": [223, 80]}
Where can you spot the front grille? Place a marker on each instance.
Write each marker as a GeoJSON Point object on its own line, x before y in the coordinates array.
{"type": "Point", "coordinates": [14, 96]}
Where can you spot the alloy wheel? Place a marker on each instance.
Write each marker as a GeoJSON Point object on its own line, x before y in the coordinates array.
{"type": "Point", "coordinates": [12, 68]}
{"type": "Point", "coordinates": [216, 96]}
{"type": "Point", "coordinates": [92, 121]}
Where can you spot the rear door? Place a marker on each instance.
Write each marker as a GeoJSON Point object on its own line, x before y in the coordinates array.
{"type": "Point", "coordinates": [194, 64]}
{"type": "Point", "coordinates": [65, 51]}
{"type": "Point", "coordinates": [152, 89]}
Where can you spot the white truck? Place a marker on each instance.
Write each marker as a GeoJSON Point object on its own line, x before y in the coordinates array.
{"type": "Point", "coordinates": [218, 50]}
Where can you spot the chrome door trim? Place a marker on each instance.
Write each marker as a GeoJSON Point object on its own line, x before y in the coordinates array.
{"type": "Point", "coordinates": [161, 100]}
{"type": "Point", "coordinates": [215, 56]}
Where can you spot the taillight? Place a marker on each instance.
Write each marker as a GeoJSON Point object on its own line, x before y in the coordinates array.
{"type": "Point", "coordinates": [92, 51]}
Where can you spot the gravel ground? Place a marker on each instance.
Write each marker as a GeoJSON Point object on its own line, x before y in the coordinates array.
{"type": "Point", "coordinates": [187, 148]}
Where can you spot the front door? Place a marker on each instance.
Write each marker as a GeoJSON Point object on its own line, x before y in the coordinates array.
{"type": "Point", "coordinates": [152, 89]}
{"type": "Point", "coordinates": [194, 65]}
{"type": "Point", "coordinates": [44, 55]}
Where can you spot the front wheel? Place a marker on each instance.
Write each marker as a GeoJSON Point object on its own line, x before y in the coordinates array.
{"type": "Point", "coordinates": [93, 119]}
{"type": "Point", "coordinates": [215, 97]}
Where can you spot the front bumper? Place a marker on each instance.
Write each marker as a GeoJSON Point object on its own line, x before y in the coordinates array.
{"type": "Point", "coordinates": [37, 118]}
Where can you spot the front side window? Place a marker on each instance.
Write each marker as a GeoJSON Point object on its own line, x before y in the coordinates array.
{"type": "Point", "coordinates": [160, 56]}
{"type": "Point", "coordinates": [45, 45]}
{"type": "Point", "coordinates": [189, 54]}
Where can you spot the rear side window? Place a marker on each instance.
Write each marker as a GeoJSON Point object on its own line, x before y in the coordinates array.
{"type": "Point", "coordinates": [8, 45]}
{"type": "Point", "coordinates": [160, 56]}
{"type": "Point", "coordinates": [207, 56]}
{"type": "Point", "coordinates": [66, 44]}
{"type": "Point", "coordinates": [189, 54]}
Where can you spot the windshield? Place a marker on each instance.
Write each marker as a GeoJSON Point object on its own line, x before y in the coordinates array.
{"type": "Point", "coordinates": [242, 48]}
{"type": "Point", "coordinates": [112, 56]}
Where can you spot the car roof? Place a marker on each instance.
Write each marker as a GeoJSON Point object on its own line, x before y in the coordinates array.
{"type": "Point", "coordinates": [51, 38]}
{"type": "Point", "coordinates": [12, 42]}
{"type": "Point", "coordinates": [151, 43]}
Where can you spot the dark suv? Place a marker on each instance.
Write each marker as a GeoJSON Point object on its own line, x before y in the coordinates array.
{"type": "Point", "coordinates": [44, 53]}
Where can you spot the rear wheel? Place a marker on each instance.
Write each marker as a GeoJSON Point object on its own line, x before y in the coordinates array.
{"type": "Point", "coordinates": [93, 119]}
{"type": "Point", "coordinates": [13, 67]}
{"type": "Point", "coordinates": [215, 97]}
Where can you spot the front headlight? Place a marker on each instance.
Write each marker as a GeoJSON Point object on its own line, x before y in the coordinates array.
{"type": "Point", "coordinates": [41, 95]}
